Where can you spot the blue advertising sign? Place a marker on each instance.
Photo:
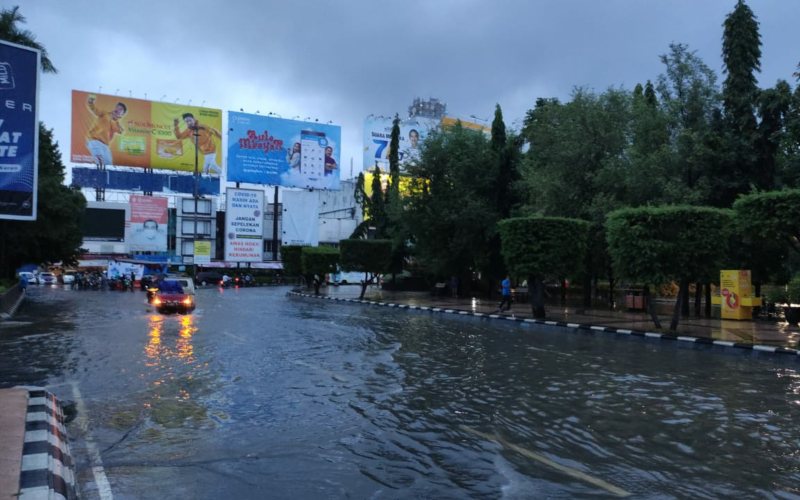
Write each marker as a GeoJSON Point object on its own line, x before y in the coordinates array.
{"type": "Point", "coordinates": [120, 180]}
{"type": "Point", "coordinates": [19, 131]}
{"type": "Point", "coordinates": [280, 152]}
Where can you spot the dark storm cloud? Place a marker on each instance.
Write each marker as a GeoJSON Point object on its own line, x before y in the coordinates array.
{"type": "Point", "coordinates": [344, 60]}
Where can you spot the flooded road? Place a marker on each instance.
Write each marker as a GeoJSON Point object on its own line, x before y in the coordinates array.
{"type": "Point", "coordinates": [258, 395]}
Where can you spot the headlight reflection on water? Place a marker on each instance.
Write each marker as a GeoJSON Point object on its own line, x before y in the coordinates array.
{"type": "Point", "coordinates": [158, 349]}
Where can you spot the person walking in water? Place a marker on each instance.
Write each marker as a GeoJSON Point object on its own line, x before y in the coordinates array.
{"type": "Point", "coordinates": [505, 291]}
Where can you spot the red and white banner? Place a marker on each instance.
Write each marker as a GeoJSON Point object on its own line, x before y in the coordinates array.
{"type": "Point", "coordinates": [148, 224]}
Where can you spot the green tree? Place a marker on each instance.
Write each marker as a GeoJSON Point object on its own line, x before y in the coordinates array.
{"type": "Point", "coordinates": [741, 56]}
{"type": "Point", "coordinates": [656, 245]}
{"type": "Point", "coordinates": [291, 260]}
{"type": "Point", "coordinates": [451, 211]}
{"type": "Point", "coordinates": [771, 217]}
{"type": "Point", "coordinates": [395, 228]}
{"type": "Point", "coordinates": [539, 248]}
{"type": "Point", "coordinates": [505, 151]}
{"type": "Point", "coordinates": [372, 257]}
{"type": "Point", "coordinates": [689, 97]}
{"type": "Point", "coordinates": [576, 166]}
{"type": "Point", "coordinates": [55, 235]}
{"type": "Point", "coordinates": [10, 19]}
{"type": "Point", "coordinates": [317, 262]}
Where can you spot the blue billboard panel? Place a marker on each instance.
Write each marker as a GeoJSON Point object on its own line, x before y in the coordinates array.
{"type": "Point", "coordinates": [19, 131]}
{"type": "Point", "coordinates": [280, 152]}
{"type": "Point", "coordinates": [172, 182]}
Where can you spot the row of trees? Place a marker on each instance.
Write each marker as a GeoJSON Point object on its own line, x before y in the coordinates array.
{"type": "Point", "coordinates": [633, 184]}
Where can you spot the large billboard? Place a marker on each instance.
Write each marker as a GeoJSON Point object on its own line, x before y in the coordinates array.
{"type": "Point", "coordinates": [113, 130]}
{"type": "Point", "coordinates": [19, 131]}
{"type": "Point", "coordinates": [280, 152]}
{"type": "Point", "coordinates": [148, 224]}
{"type": "Point", "coordinates": [244, 225]}
{"type": "Point", "coordinates": [377, 136]}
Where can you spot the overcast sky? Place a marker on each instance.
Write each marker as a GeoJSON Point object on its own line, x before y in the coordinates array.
{"type": "Point", "coordinates": [343, 60]}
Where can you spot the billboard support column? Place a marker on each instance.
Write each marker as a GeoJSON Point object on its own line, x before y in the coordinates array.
{"type": "Point", "coordinates": [275, 226]}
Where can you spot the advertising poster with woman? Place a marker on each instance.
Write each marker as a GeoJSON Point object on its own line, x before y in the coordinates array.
{"type": "Point", "coordinates": [280, 152]}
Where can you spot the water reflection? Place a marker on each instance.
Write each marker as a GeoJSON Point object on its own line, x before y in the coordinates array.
{"type": "Point", "coordinates": [158, 352]}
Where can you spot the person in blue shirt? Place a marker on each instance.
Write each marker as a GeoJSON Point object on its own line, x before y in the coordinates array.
{"type": "Point", "coordinates": [505, 290]}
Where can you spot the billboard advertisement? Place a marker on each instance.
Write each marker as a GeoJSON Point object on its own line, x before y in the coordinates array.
{"type": "Point", "coordinates": [113, 130]}
{"type": "Point", "coordinates": [148, 224]}
{"type": "Point", "coordinates": [449, 121]}
{"type": "Point", "coordinates": [19, 131]}
{"type": "Point", "coordinates": [244, 225]}
{"type": "Point", "coordinates": [280, 152]}
{"type": "Point", "coordinates": [300, 221]}
{"type": "Point", "coordinates": [377, 135]}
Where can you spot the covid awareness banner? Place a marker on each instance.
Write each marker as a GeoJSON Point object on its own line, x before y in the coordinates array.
{"type": "Point", "coordinates": [377, 136]}
{"type": "Point", "coordinates": [280, 152]}
{"type": "Point", "coordinates": [19, 131]}
{"type": "Point", "coordinates": [244, 225]}
{"type": "Point", "coordinates": [128, 132]}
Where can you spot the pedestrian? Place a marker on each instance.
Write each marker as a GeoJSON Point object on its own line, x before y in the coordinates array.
{"type": "Point", "coordinates": [454, 286]}
{"type": "Point", "coordinates": [505, 291]}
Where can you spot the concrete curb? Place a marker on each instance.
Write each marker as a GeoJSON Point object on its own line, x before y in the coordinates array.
{"type": "Point", "coordinates": [4, 315]}
{"type": "Point", "coordinates": [784, 352]}
{"type": "Point", "coordinates": [47, 467]}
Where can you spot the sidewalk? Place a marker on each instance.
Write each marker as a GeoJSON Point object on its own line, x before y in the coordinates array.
{"type": "Point", "coordinates": [745, 333]}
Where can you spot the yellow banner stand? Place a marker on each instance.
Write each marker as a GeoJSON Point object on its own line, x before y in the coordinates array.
{"type": "Point", "coordinates": [736, 296]}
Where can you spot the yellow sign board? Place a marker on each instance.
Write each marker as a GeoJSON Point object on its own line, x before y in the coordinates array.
{"type": "Point", "coordinates": [736, 295]}
{"type": "Point", "coordinates": [202, 251]}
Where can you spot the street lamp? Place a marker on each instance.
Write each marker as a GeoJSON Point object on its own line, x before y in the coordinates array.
{"type": "Point", "coordinates": [196, 191]}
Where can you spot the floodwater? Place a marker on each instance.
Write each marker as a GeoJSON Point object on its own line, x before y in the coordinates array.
{"type": "Point", "coordinates": [260, 395]}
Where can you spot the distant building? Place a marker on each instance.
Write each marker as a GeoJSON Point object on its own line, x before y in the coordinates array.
{"type": "Point", "coordinates": [430, 108]}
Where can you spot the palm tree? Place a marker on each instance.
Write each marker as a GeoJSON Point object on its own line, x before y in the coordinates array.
{"type": "Point", "coordinates": [10, 19]}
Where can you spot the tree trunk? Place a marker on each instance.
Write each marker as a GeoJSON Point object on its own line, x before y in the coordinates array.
{"type": "Point", "coordinates": [698, 291]}
{"type": "Point", "coordinates": [684, 287]}
{"type": "Point", "coordinates": [587, 291]}
{"type": "Point", "coordinates": [684, 296]}
{"type": "Point", "coordinates": [536, 291]}
{"type": "Point", "coordinates": [650, 308]}
{"type": "Point", "coordinates": [364, 285]}
{"type": "Point", "coordinates": [757, 309]}
{"type": "Point", "coordinates": [611, 291]}
{"type": "Point", "coordinates": [708, 299]}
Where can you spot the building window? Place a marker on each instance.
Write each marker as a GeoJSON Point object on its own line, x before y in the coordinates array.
{"type": "Point", "coordinates": [203, 228]}
{"type": "Point", "coordinates": [187, 247]}
{"type": "Point", "coordinates": [203, 206]}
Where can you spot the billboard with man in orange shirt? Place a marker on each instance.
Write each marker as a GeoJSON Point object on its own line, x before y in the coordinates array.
{"type": "Point", "coordinates": [128, 132]}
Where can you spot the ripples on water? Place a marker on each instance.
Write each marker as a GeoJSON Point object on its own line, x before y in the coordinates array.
{"type": "Point", "coordinates": [296, 398]}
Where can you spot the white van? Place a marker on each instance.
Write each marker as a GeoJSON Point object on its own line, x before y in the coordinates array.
{"type": "Point", "coordinates": [347, 278]}
{"type": "Point", "coordinates": [186, 283]}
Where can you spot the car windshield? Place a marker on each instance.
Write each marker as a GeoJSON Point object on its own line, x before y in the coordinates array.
{"type": "Point", "coordinates": [170, 286]}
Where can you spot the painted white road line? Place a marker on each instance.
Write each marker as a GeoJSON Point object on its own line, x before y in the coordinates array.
{"type": "Point", "coordinates": [100, 478]}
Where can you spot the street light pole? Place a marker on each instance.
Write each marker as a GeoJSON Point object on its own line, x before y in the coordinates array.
{"type": "Point", "coordinates": [196, 192]}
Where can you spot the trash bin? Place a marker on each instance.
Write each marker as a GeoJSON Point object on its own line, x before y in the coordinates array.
{"type": "Point", "coordinates": [635, 300]}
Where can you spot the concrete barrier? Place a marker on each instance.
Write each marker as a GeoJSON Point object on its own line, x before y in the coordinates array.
{"type": "Point", "coordinates": [10, 301]}
{"type": "Point", "coordinates": [47, 469]}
